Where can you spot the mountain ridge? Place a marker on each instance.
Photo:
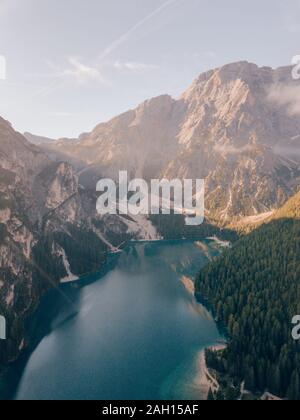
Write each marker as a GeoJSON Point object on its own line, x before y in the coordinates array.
{"type": "Point", "coordinates": [49, 232]}
{"type": "Point", "coordinates": [224, 129]}
{"type": "Point", "coordinates": [38, 140]}
{"type": "Point", "coordinates": [229, 128]}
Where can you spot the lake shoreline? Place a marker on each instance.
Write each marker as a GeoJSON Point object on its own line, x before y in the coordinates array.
{"type": "Point", "coordinates": [95, 278]}
{"type": "Point", "coordinates": [208, 382]}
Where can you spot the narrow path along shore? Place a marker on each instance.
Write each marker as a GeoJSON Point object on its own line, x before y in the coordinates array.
{"type": "Point", "coordinates": [206, 380]}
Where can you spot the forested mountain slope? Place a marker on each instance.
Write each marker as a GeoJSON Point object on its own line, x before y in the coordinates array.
{"type": "Point", "coordinates": [290, 210]}
{"type": "Point", "coordinates": [49, 231]}
{"type": "Point", "coordinates": [254, 290]}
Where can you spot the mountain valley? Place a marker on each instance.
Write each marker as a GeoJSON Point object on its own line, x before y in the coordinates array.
{"type": "Point", "coordinates": [229, 128]}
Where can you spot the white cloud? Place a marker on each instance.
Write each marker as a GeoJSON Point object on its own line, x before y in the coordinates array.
{"type": "Point", "coordinates": [231, 150]}
{"type": "Point", "coordinates": [76, 72]}
{"type": "Point", "coordinates": [134, 66]}
{"type": "Point", "coordinates": [286, 95]}
{"type": "Point", "coordinates": [83, 73]}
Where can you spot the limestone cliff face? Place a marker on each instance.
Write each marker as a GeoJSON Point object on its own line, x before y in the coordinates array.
{"type": "Point", "coordinates": [237, 126]}
{"type": "Point", "coordinates": [49, 231]}
{"type": "Point", "coordinates": [236, 137]}
{"type": "Point", "coordinates": [30, 186]}
{"type": "Point", "coordinates": [140, 140]}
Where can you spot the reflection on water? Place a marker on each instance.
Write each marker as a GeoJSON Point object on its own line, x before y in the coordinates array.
{"type": "Point", "coordinates": [136, 333]}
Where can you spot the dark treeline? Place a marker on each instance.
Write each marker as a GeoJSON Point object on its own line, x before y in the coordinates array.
{"type": "Point", "coordinates": [174, 227]}
{"type": "Point", "coordinates": [254, 290]}
{"type": "Point", "coordinates": [85, 252]}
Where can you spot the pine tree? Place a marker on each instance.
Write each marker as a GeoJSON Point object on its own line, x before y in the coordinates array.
{"type": "Point", "coordinates": [254, 291]}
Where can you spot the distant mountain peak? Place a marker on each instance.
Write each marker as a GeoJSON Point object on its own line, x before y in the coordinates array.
{"type": "Point", "coordinates": [37, 140]}
{"type": "Point", "coordinates": [227, 127]}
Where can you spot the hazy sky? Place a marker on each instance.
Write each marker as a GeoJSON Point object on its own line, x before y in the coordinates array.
{"type": "Point", "coordinates": [74, 63]}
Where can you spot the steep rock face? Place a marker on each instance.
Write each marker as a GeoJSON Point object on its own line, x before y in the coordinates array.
{"type": "Point", "coordinates": [49, 231]}
{"type": "Point", "coordinates": [231, 137]}
{"type": "Point", "coordinates": [30, 186]}
{"type": "Point", "coordinates": [232, 104]}
{"type": "Point", "coordinates": [290, 210]}
{"type": "Point", "coordinates": [16, 153]}
{"type": "Point", "coordinates": [141, 141]}
{"type": "Point", "coordinates": [237, 126]}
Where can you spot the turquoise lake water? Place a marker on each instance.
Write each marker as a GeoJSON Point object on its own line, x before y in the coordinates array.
{"type": "Point", "coordinates": [134, 333]}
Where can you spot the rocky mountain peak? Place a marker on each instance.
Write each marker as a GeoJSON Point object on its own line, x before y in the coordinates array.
{"type": "Point", "coordinates": [239, 104]}
{"type": "Point", "coordinates": [232, 127]}
{"type": "Point", "coordinates": [37, 140]}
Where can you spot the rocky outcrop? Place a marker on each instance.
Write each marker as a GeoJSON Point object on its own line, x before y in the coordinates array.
{"type": "Point", "coordinates": [237, 126]}
{"type": "Point", "coordinates": [49, 232]}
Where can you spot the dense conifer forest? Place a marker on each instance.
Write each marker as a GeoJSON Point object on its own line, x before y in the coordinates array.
{"type": "Point", "coordinates": [254, 291]}
{"type": "Point", "coordinates": [174, 227]}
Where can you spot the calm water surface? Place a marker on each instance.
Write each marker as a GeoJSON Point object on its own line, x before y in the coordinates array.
{"type": "Point", "coordinates": [135, 333]}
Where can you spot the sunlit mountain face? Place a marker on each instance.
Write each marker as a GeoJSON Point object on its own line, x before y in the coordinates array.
{"type": "Point", "coordinates": [232, 127]}
{"type": "Point", "coordinates": [237, 127]}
